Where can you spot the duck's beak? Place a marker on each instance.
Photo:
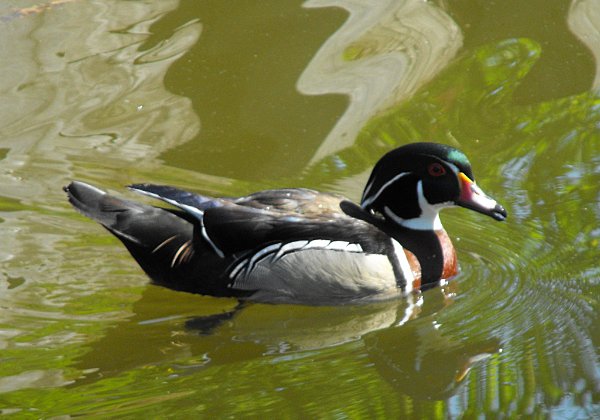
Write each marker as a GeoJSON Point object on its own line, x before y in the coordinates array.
{"type": "Point", "coordinates": [472, 197]}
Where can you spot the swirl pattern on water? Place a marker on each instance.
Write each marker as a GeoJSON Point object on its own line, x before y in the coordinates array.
{"type": "Point", "coordinates": [519, 279]}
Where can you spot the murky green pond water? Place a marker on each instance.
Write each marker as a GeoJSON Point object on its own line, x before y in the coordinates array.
{"type": "Point", "coordinates": [230, 97]}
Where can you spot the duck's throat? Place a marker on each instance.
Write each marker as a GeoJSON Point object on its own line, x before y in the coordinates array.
{"type": "Point", "coordinates": [433, 250]}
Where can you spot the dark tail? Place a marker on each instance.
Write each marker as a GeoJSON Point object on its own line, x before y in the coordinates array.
{"type": "Point", "coordinates": [159, 239]}
{"type": "Point", "coordinates": [113, 213]}
{"type": "Point", "coordinates": [90, 201]}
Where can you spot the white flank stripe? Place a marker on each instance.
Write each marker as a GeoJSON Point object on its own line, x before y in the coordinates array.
{"type": "Point", "coordinates": [237, 269]}
{"type": "Point", "coordinates": [256, 257]}
{"type": "Point", "coordinates": [250, 262]}
{"type": "Point", "coordinates": [354, 248]}
{"type": "Point", "coordinates": [318, 243]}
{"type": "Point", "coordinates": [404, 266]}
{"type": "Point", "coordinates": [338, 245]}
{"type": "Point", "coordinates": [289, 247]}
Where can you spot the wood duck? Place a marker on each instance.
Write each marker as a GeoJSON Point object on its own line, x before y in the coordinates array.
{"type": "Point", "coordinates": [300, 245]}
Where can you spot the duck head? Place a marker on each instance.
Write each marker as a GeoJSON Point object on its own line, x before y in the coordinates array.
{"type": "Point", "coordinates": [411, 184]}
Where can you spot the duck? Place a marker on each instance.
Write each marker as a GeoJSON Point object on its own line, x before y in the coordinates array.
{"type": "Point", "coordinates": [298, 245]}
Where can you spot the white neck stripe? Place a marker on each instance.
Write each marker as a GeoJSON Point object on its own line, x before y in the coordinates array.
{"type": "Point", "coordinates": [368, 201]}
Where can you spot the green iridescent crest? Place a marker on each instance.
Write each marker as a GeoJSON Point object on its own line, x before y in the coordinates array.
{"type": "Point", "coordinates": [458, 156]}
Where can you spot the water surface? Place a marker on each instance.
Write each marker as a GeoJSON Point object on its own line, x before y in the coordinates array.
{"type": "Point", "coordinates": [226, 98]}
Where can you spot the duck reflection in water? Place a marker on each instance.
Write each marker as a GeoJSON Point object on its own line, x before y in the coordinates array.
{"type": "Point", "coordinates": [431, 364]}
{"type": "Point", "coordinates": [406, 340]}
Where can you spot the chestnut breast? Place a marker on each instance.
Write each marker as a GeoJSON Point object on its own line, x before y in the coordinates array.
{"type": "Point", "coordinates": [450, 265]}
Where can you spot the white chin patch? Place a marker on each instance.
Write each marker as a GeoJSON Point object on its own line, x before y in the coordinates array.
{"type": "Point", "coordinates": [430, 214]}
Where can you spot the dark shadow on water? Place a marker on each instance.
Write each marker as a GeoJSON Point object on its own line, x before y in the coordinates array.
{"type": "Point", "coordinates": [206, 325]}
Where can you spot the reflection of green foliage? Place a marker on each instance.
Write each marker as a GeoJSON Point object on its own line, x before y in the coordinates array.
{"type": "Point", "coordinates": [544, 156]}
{"type": "Point", "coordinates": [469, 101]}
{"type": "Point", "coordinates": [470, 105]}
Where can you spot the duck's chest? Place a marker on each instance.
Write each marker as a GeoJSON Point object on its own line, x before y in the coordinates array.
{"type": "Point", "coordinates": [431, 256]}
{"type": "Point", "coordinates": [450, 264]}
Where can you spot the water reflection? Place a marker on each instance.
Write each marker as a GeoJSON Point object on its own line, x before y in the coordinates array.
{"type": "Point", "coordinates": [241, 79]}
{"type": "Point", "coordinates": [583, 20]}
{"type": "Point", "coordinates": [83, 96]}
{"type": "Point", "coordinates": [563, 53]}
{"type": "Point", "coordinates": [72, 91]}
{"type": "Point", "coordinates": [382, 54]}
{"type": "Point", "coordinates": [404, 340]}
{"type": "Point", "coordinates": [74, 98]}
{"type": "Point", "coordinates": [429, 365]}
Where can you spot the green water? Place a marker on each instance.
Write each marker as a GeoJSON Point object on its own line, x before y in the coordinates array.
{"type": "Point", "coordinates": [230, 97]}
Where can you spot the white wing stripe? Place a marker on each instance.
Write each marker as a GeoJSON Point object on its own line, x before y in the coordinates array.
{"type": "Point", "coordinates": [211, 243]}
{"type": "Point", "coordinates": [193, 210]}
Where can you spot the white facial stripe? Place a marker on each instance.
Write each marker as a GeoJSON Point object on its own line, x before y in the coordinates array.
{"type": "Point", "coordinates": [453, 167]}
{"type": "Point", "coordinates": [368, 189]}
{"type": "Point", "coordinates": [430, 213]}
{"type": "Point", "coordinates": [368, 201]}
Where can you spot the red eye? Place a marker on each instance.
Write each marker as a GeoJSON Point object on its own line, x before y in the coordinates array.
{"type": "Point", "coordinates": [435, 169]}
